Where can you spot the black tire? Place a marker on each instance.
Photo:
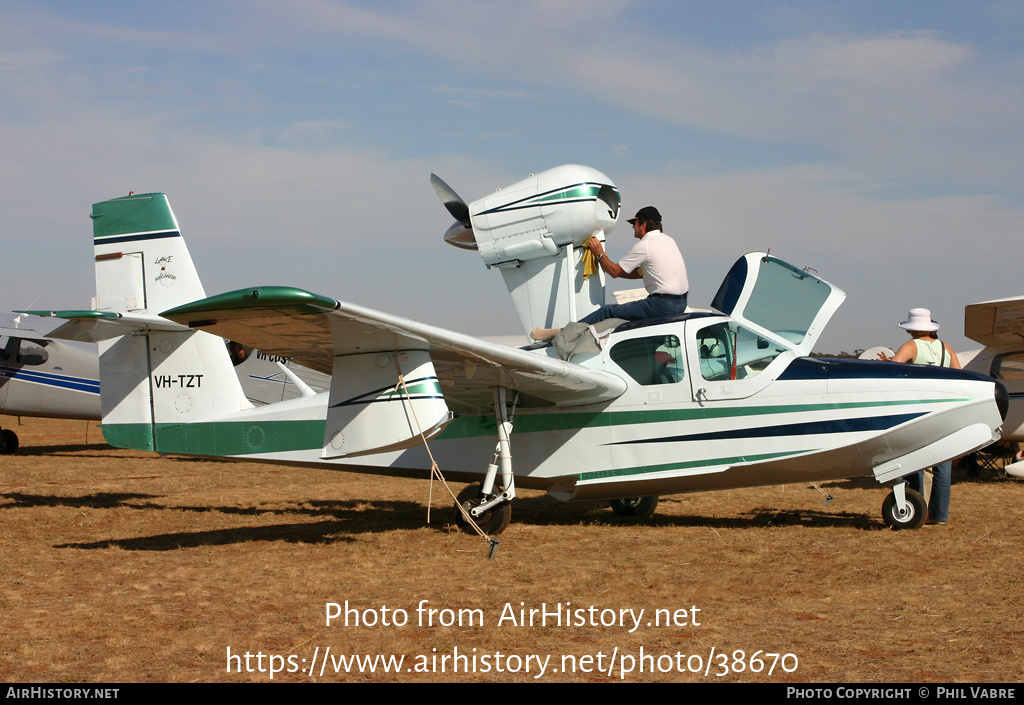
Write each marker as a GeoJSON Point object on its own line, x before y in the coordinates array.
{"type": "Point", "coordinates": [916, 516]}
{"type": "Point", "coordinates": [492, 522]}
{"type": "Point", "coordinates": [635, 506]}
{"type": "Point", "coordinates": [8, 442]}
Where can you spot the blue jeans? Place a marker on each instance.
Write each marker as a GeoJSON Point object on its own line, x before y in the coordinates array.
{"type": "Point", "coordinates": [651, 307]}
{"type": "Point", "coordinates": [942, 480]}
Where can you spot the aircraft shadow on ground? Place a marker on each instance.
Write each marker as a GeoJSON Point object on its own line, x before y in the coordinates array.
{"type": "Point", "coordinates": [100, 500]}
{"type": "Point", "coordinates": [341, 517]}
{"type": "Point", "coordinates": [343, 520]}
{"type": "Point", "coordinates": [544, 511]}
{"type": "Point", "coordinates": [77, 448]}
{"type": "Point", "coordinates": [322, 532]}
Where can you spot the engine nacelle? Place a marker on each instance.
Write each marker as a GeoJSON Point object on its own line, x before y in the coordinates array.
{"type": "Point", "coordinates": [533, 232]}
{"type": "Point", "coordinates": [539, 215]}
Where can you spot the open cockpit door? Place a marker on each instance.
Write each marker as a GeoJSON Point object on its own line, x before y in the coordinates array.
{"type": "Point", "coordinates": [786, 305]}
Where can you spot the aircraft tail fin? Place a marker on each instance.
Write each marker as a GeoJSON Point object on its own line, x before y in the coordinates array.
{"type": "Point", "coordinates": [154, 381]}
{"type": "Point", "coordinates": [142, 263]}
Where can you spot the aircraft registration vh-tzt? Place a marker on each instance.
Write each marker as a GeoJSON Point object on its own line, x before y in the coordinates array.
{"type": "Point", "coordinates": [58, 378]}
{"type": "Point", "coordinates": [700, 401]}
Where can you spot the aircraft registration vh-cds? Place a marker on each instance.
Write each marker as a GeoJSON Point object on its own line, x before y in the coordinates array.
{"type": "Point", "coordinates": [700, 401]}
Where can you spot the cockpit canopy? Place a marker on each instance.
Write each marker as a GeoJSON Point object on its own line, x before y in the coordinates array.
{"type": "Point", "coordinates": [786, 305]}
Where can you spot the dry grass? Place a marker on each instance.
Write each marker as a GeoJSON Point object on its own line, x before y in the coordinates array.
{"type": "Point", "coordinates": [122, 566]}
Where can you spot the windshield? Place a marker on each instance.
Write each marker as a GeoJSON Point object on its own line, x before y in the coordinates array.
{"type": "Point", "coordinates": [786, 303]}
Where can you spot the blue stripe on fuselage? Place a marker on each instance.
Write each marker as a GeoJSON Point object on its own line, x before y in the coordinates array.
{"type": "Point", "coordinates": [841, 368]}
{"type": "Point", "coordinates": [78, 384]}
{"type": "Point", "coordinates": [864, 423]}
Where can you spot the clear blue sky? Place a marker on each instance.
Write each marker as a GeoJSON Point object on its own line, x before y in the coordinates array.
{"type": "Point", "coordinates": [880, 143]}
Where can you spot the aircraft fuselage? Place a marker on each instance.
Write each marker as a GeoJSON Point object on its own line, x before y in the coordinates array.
{"type": "Point", "coordinates": [708, 406]}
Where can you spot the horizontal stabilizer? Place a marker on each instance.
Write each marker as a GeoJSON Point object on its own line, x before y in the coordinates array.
{"type": "Point", "coordinates": [94, 326]}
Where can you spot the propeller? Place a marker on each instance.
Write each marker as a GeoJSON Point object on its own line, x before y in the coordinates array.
{"type": "Point", "coordinates": [455, 205]}
{"type": "Point", "coordinates": [461, 233]}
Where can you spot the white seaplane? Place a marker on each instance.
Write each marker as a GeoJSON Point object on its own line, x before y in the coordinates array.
{"type": "Point", "coordinates": [695, 402]}
{"type": "Point", "coordinates": [41, 376]}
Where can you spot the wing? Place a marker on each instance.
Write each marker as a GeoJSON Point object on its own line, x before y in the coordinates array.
{"type": "Point", "coordinates": [999, 322]}
{"type": "Point", "coordinates": [314, 330]}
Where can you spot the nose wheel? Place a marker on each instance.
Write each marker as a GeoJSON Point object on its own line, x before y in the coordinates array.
{"type": "Point", "coordinates": [911, 515]}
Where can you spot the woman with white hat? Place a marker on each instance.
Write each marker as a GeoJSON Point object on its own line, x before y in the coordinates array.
{"type": "Point", "coordinates": [925, 348]}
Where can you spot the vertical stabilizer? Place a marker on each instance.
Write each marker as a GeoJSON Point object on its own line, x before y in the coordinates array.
{"type": "Point", "coordinates": [154, 381]}
{"type": "Point", "coordinates": [142, 263]}
{"type": "Point", "coordinates": [552, 291]}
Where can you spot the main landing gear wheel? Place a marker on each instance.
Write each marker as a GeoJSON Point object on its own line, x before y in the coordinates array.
{"type": "Point", "coordinates": [635, 506]}
{"type": "Point", "coordinates": [492, 522]}
{"type": "Point", "coordinates": [8, 442]}
{"type": "Point", "coordinates": [915, 516]}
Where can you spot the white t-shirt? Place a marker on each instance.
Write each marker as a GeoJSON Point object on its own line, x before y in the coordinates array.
{"type": "Point", "coordinates": [664, 270]}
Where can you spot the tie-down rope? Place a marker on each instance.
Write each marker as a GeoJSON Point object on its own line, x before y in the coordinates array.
{"type": "Point", "coordinates": [435, 470]}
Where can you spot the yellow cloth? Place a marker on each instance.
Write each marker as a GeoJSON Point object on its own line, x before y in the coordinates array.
{"type": "Point", "coordinates": [588, 260]}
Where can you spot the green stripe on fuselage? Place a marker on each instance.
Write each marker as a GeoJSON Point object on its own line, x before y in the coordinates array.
{"type": "Point", "coordinates": [223, 438]}
{"type": "Point", "coordinates": [469, 426]}
{"type": "Point", "coordinates": [219, 438]}
{"type": "Point", "coordinates": [570, 194]}
{"type": "Point", "coordinates": [644, 469]}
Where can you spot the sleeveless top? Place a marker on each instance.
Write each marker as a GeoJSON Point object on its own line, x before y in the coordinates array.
{"type": "Point", "coordinates": [930, 352]}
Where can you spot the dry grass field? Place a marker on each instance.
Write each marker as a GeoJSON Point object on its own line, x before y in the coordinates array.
{"type": "Point", "coordinates": [126, 567]}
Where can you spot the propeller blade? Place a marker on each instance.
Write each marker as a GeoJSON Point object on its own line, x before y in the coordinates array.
{"type": "Point", "coordinates": [455, 205]}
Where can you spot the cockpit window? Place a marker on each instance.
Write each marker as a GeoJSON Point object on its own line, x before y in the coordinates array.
{"type": "Point", "coordinates": [787, 304]}
{"type": "Point", "coordinates": [730, 351]}
{"type": "Point", "coordinates": [786, 300]}
{"type": "Point", "coordinates": [31, 353]}
{"type": "Point", "coordinates": [654, 360]}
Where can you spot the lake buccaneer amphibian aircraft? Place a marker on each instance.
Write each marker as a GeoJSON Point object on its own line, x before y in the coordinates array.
{"type": "Point", "coordinates": [696, 402]}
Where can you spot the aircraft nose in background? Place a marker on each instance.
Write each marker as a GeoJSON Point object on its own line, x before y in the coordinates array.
{"type": "Point", "coordinates": [1002, 399]}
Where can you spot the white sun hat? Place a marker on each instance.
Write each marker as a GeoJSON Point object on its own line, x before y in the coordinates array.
{"type": "Point", "coordinates": [919, 319]}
